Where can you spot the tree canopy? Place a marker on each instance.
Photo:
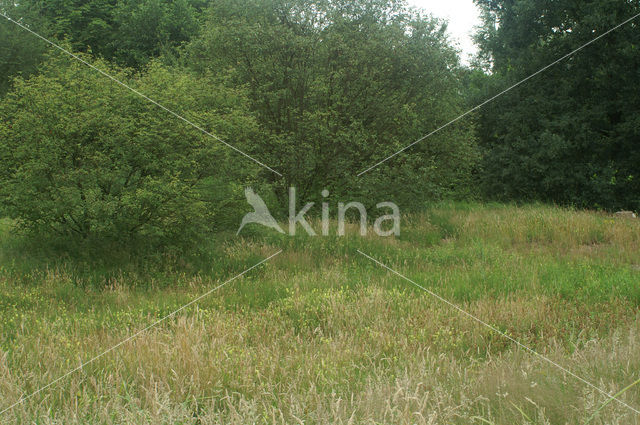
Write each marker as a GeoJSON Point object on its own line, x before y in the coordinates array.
{"type": "Point", "coordinates": [339, 85]}
{"type": "Point", "coordinates": [129, 33]}
{"type": "Point", "coordinates": [571, 134]}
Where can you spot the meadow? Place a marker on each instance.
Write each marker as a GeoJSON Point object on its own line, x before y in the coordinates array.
{"type": "Point", "coordinates": [320, 334]}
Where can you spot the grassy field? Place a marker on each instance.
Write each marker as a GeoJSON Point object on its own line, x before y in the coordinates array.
{"type": "Point", "coordinates": [320, 334]}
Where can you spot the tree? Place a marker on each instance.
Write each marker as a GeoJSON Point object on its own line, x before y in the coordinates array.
{"type": "Point", "coordinates": [339, 85]}
{"type": "Point", "coordinates": [129, 32]}
{"type": "Point", "coordinates": [83, 156]}
{"type": "Point", "coordinates": [149, 28]}
{"type": "Point", "coordinates": [20, 52]}
{"type": "Point", "coordinates": [572, 134]}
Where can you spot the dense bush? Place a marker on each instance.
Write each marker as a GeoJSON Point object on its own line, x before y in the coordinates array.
{"type": "Point", "coordinates": [84, 156]}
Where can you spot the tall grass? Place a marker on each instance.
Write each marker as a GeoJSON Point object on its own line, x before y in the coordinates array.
{"type": "Point", "coordinates": [322, 335]}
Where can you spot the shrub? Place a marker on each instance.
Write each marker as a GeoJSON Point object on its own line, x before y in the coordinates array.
{"type": "Point", "coordinates": [84, 156]}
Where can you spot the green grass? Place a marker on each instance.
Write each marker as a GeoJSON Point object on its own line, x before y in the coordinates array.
{"type": "Point", "coordinates": [320, 334]}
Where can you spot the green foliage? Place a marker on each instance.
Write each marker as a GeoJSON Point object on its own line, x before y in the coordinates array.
{"type": "Point", "coordinates": [569, 135]}
{"type": "Point", "coordinates": [149, 28]}
{"type": "Point", "coordinates": [338, 86]}
{"type": "Point", "coordinates": [20, 52]}
{"type": "Point", "coordinates": [128, 32]}
{"type": "Point", "coordinates": [84, 156]}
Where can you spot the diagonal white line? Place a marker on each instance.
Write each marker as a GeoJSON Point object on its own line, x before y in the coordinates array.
{"type": "Point", "coordinates": [499, 94]}
{"type": "Point", "coordinates": [173, 313]}
{"type": "Point", "coordinates": [197, 127]}
{"type": "Point", "coordinates": [493, 328]}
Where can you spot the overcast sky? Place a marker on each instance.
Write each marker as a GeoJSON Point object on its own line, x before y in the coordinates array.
{"type": "Point", "coordinates": [462, 15]}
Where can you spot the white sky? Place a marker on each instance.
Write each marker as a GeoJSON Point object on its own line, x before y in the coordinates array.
{"type": "Point", "coordinates": [462, 15]}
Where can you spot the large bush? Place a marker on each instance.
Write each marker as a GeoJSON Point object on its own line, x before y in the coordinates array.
{"type": "Point", "coordinates": [84, 156]}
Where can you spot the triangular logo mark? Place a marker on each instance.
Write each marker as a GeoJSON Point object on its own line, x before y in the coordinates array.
{"type": "Point", "coordinates": [260, 215]}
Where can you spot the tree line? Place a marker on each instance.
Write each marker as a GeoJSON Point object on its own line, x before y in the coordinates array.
{"type": "Point", "coordinates": [317, 90]}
